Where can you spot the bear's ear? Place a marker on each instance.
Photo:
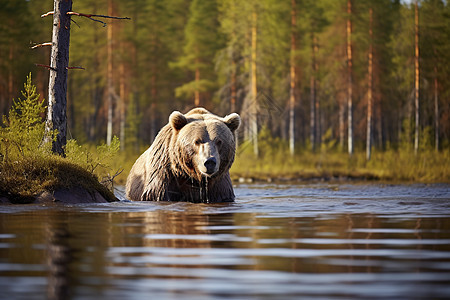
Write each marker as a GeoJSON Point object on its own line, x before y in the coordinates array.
{"type": "Point", "coordinates": [233, 121]}
{"type": "Point", "coordinates": [177, 120]}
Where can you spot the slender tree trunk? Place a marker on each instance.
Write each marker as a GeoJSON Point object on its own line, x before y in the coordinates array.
{"type": "Point", "coordinates": [233, 96]}
{"type": "Point", "coordinates": [135, 89]}
{"type": "Point", "coordinates": [319, 119]}
{"type": "Point", "coordinates": [341, 125]}
{"type": "Point", "coordinates": [122, 95]}
{"type": "Point", "coordinates": [377, 116]}
{"type": "Point", "coordinates": [71, 107]}
{"type": "Point", "coordinates": [153, 122]}
{"type": "Point", "coordinates": [416, 81]}
{"type": "Point", "coordinates": [233, 64]}
{"type": "Point", "coordinates": [349, 78]}
{"type": "Point", "coordinates": [436, 110]}
{"type": "Point", "coordinates": [293, 80]}
{"type": "Point", "coordinates": [154, 93]}
{"type": "Point", "coordinates": [10, 76]}
{"type": "Point", "coordinates": [97, 93]}
{"type": "Point", "coordinates": [153, 106]}
{"type": "Point", "coordinates": [110, 91]}
{"type": "Point", "coordinates": [369, 92]}
{"type": "Point", "coordinates": [312, 113]}
{"type": "Point", "coordinates": [253, 88]}
{"type": "Point", "coordinates": [57, 87]}
{"type": "Point", "coordinates": [318, 137]}
{"type": "Point", "coordinates": [233, 86]}
{"type": "Point", "coordinates": [196, 92]}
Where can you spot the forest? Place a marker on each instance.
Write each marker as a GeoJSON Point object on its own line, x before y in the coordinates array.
{"type": "Point", "coordinates": [355, 78]}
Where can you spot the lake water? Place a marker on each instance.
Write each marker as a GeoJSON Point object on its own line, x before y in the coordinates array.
{"type": "Point", "coordinates": [277, 241]}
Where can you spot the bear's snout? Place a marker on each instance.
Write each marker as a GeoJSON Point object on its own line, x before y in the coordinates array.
{"type": "Point", "coordinates": [210, 165]}
{"type": "Point", "coordinates": [208, 160]}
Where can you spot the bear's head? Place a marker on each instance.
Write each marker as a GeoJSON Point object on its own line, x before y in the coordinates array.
{"type": "Point", "coordinates": [202, 144]}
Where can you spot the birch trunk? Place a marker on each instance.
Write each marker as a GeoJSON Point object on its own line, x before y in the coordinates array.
{"type": "Point", "coordinates": [57, 87]}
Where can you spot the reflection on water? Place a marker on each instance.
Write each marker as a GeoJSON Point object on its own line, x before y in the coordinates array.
{"type": "Point", "coordinates": [275, 242]}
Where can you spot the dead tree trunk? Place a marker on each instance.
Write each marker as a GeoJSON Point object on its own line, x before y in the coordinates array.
{"type": "Point", "coordinates": [57, 90]}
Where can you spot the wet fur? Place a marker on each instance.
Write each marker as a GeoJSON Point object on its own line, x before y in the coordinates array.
{"type": "Point", "coordinates": [166, 172]}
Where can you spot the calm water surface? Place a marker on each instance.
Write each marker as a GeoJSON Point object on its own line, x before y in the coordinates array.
{"type": "Point", "coordinates": [319, 241]}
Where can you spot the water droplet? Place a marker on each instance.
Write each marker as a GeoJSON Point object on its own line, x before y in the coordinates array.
{"type": "Point", "coordinates": [206, 189]}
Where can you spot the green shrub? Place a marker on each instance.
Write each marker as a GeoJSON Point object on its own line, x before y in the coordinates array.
{"type": "Point", "coordinates": [27, 164]}
{"type": "Point", "coordinates": [23, 130]}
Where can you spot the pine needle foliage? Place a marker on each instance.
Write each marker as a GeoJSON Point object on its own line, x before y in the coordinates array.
{"type": "Point", "coordinates": [23, 131]}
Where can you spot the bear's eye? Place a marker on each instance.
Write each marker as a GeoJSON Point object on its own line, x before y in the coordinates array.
{"type": "Point", "coordinates": [219, 143]}
{"type": "Point", "coordinates": [198, 142]}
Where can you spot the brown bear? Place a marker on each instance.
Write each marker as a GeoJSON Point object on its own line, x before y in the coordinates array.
{"type": "Point", "coordinates": [189, 160]}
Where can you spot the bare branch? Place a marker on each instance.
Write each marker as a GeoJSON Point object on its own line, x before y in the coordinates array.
{"type": "Point", "coordinates": [45, 66]}
{"type": "Point", "coordinates": [108, 181]}
{"type": "Point", "coordinates": [47, 14]}
{"type": "Point", "coordinates": [41, 45]}
{"type": "Point", "coordinates": [76, 68]}
{"type": "Point", "coordinates": [90, 16]}
{"type": "Point", "coordinates": [75, 23]}
{"type": "Point", "coordinates": [86, 16]}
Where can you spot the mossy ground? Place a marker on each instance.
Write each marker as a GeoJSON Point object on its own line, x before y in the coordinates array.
{"type": "Point", "coordinates": [22, 180]}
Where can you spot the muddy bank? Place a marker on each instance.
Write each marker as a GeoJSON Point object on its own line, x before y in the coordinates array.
{"type": "Point", "coordinates": [63, 195]}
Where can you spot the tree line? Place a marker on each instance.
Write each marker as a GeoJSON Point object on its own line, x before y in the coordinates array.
{"type": "Point", "coordinates": [355, 74]}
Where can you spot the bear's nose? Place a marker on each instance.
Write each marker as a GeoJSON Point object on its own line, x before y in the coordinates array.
{"type": "Point", "coordinates": [210, 165]}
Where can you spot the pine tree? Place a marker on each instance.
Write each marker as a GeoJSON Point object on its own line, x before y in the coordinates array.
{"type": "Point", "coordinates": [16, 31]}
{"type": "Point", "coordinates": [202, 41]}
{"type": "Point", "coordinates": [23, 130]}
{"type": "Point", "coordinates": [434, 54]}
